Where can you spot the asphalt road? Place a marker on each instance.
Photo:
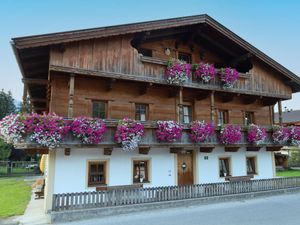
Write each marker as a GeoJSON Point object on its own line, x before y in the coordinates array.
{"type": "Point", "coordinates": [276, 210]}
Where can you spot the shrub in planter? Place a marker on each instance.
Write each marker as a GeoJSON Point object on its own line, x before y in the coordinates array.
{"type": "Point", "coordinates": [295, 135]}
{"type": "Point", "coordinates": [228, 76]}
{"type": "Point", "coordinates": [256, 134]}
{"type": "Point", "coordinates": [129, 134]}
{"type": "Point", "coordinates": [230, 134]}
{"type": "Point", "coordinates": [177, 71]}
{"type": "Point", "coordinates": [205, 71]}
{"type": "Point", "coordinates": [168, 131]}
{"type": "Point", "coordinates": [88, 130]}
{"type": "Point", "coordinates": [201, 131]}
{"type": "Point", "coordinates": [281, 134]}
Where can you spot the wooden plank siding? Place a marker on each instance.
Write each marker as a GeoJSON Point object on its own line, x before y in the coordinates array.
{"type": "Point", "coordinates": [116, 54]}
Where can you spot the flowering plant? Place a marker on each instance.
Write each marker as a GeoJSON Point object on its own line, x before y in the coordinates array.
{"type": "Point", "coordinates": [168, 131]}
{"type": "Point", "coordinates": [230, 134]}
{"type": "Point", "coordinates": [281, 134]}
{"type": "Point", "coordinates": [295, 135]}
{"type": "Point", "coordinates": [88, 130]}
{"type": "Point", "coordinates": [228, 76]}
{"type": "Point", "coordinates": [205, 71]}
{"type": "Point", "coordinates": [256, 134]}
{"type": "Point", "coordinates": [129, 133]}
{"type": "Point", "coordinates": [12, 128]}
{"type": "Point", "coordinates": [47, 129]}
{"type": "Point", "coordinates": [177, 71]}
{"type": "Point", "coordinates": [200, 131]}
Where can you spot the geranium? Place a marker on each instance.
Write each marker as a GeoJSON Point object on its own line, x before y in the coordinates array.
{"type": "Point", "coordinates": [281, 134]}
{"type": "Point", "coordinates": [177, 71]}
{"type": "Point", "coordinates": [12, 128]}
{"type": "Point", "coordinates": [201, 131]}
{"type": "Point", "coordinates": [256, 134]}
{"type": "Point", "coordinates": [205, 71]}
{"type": "Point", "coordinates": [295, 135]}
{"type": "Point", "coordinates": [88, 130]}
{"type": "Point", "coordinates": [129, 133]}
{"type": "Point", "coordinates": [47, 130]}
{"type": "Point", "coordinates": [228, 76]}
{"type": "Point", "coordinates": [169, 131]}
{"type": "Point", "coordinates": [230, 134]}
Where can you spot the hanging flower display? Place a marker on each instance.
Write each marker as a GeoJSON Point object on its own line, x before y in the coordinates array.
{"type": "Point", "coordinates": [230, 134]}
{"type": "Point", "coordinates": [129, 133]}
{"type": "Point", "coordinates": [228, 76]}
{"type": "Point", "coordinates": [201, 131]}
{"type": "Point", "coordinates": [295, 135]}
{"type": "Point", "coordinates": [281, 135]}
{"type": "Point", "coordinates": [12, 128]}
{"type": "Point", "coordinates": [177, 71]}
{"type": "Point", "coordinates": [168, 131]}
{"type": "Point", "coordinates": [205, 71]}
{"type": "Point", "coordinates": [47, 130]}
{"type": "Point", "coordinates": [256, 134]}
{"type": "Point", "coordinates": [88, 130]}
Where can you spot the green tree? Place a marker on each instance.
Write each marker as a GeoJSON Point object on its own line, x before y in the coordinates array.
{"type": "Point", "coordinates": [7, 104]}
{"type": "Point", "coordinates": [25, 106]}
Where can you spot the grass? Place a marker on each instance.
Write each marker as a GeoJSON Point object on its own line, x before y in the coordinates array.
{"type": "Point", "coordinates": [14, 196]}
{"type": "Point", "coordinates": [288, 173]}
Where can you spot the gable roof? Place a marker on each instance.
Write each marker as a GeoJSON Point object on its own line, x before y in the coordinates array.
{"type": "Point", "coordinates": [36, 48]}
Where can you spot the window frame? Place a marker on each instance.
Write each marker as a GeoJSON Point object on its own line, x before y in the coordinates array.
{"type": "Point", "coordinates": [181, 113]}
{"type": "Point", "coordinates": [254, 159]}
{"type": "Point", "coordinates": [105, 108]}
{"type": "Point", "coordinates": [147, 171]}
{"type": "Point", "coordinates": [252, 117]}
{"type": "Point", "coordinates": [189, 55]}
{"type": "Point", "coordinates": [146, 114]}
{"type": "Point", "coordinates": [225, 116]}
{"type": "Point", "coordinates": [95, 184]}
{"type": "Point", "coordinates": [228, 158]}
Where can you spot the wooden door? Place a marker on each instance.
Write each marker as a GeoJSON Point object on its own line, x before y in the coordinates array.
{"type": "Point", "coordinates": [185, 168]}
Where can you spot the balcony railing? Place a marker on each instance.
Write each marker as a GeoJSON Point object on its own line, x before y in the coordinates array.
{"type": "Point", "coordinates": [149, 139]}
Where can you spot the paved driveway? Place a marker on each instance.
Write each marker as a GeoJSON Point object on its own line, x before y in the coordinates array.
{"type": "Point", "coordinates": [277, 210]}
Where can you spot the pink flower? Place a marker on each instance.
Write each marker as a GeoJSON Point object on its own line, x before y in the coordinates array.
{"type": "Point", "coordinates": [256, 134]}
{"type": "Point", "coordinates": [205, 71]}
{"type": "Point", "coordinates": [228, 76]}
{"type": "Point", "coordinates": [168, 131]}
{"type": "Point", "coordinates": [230, 134]}
{"type": "Point", "coordinates": [177, 71]}
{"type": "Point", "coordinates": [201, 131]}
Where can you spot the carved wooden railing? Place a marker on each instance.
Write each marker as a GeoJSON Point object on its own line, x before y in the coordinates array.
{"type": "Point", "coordinates": [118, 197]}
{"type": "Point", "coordinates": [149, 139]}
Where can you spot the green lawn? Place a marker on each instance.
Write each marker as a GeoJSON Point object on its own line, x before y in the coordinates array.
{"type": "Point", "coordinates": [14, 196]}
{"type": "Point", "coordinates": [288, 173]}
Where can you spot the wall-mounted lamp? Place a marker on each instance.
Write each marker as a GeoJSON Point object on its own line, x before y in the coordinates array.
{"type": "Point", "coordinates": [167, 51]}
{"type": "Point", "coordinates": [183, 166]}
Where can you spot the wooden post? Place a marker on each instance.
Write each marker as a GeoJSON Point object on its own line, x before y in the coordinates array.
{"type": "Point", "coordinates": [212, 107]}
{"type": "Point", "coordinates": [280, 111]}
{"type": "Point", "coordinates": [178, 102]}
{"type": "Point", "coordinates": [24, 97]}
{"type": "Point", "coordinates": [271, 114]}
{"type": "Point", "coordinates": [71, 95]}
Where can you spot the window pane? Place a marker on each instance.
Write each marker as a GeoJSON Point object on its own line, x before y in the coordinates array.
{"type": "Point", "coordinates": [185, 114]}
{"type": "Point", "coordinates": [96, 173]}
{"type": "Point", "coordinates": [140, 171]}
{"type": "Point", "coordinates": [141, 112]}
{"type": "Point", "coordinates": [99, 109]}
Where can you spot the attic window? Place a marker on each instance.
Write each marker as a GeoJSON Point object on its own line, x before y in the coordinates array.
{"type": "Point", "coordinates": [145, 52]}
{"type": "Point", "coordinates": [185, 57]}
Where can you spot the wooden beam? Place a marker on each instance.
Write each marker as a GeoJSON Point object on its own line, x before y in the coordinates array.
{"type": "Point", "coordinates": [71, 95]}
{"type": "Point", "coordinates": [273, 148]}
{"type": "Point", "coordinates": [212, 107]}
{"type": "Point", "coordinates": [206, 149]}
{"type": "Point", "coordinates": [144, 150]}
{"type": "Point", "coordinates": [35, 81]}
{"type": "Point", "coordinates": [280, 112]}
{"type": "Point", "coordinates": [253, 148]}
{"type": "Point", "coordinates": [107, 151]}
{"type": "Point", "coordinates": [67, 151]}
{"type": "Point", "coordinates": [176, 150]}
{"type": "Point", "coordinates": [231, 148]}
{"type": "Point", "coordinates": [247, 100]}
{"type": "Point", "coordinates": [38, 100]}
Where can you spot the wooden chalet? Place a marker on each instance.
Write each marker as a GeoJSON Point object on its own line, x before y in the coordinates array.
{"type": "Point", "coordinates": [119, 71]}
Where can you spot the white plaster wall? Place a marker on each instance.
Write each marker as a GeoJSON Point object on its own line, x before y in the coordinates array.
{"type": "Point", "coordinates": [208, 169]}
{"type": "Point", "coordinates": [71, 171]}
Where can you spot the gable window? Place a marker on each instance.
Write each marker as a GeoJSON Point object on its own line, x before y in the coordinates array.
{"type": "Point", "coordinates": [140, 171]}
{"type": "Point", "coordinates": [99, 109]}
{"type": "Point", "coordinates": [224, 167]}
{"type": "Point", "coordinates": [146, 52]}
{"type": "Point", "coordinates": [223, 117]}
{"type": "Point", "coordinates": [249, 118]}
{"type": "Point", "coordinates": [251, 165]}
{"type": "Point", "coordinates": [185, 57]}
{"type": "Point", "coordinates": [141, 112]}
{"type": "Point", "coordinates": [96, 173]}
{"type": "Point", "coordinates": [185, 114]}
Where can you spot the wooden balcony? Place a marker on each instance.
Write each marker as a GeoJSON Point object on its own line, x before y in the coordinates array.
{"type": "Point", "coordinates": [149, 140]}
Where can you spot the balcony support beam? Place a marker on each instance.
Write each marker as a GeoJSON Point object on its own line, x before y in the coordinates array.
{"type": "Point", "coordinates": [71, 95]}
{"type": "Point", "coordinates": [212, 107]}
{"type": "Point", "coordinates": [280, 112]}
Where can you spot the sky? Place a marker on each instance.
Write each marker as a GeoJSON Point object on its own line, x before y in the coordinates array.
{"type": "Point", "coordinates": [271, 26]}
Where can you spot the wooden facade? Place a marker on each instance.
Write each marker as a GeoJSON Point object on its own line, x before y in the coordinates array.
{"type": "Point", "coordinates": [125, 65]}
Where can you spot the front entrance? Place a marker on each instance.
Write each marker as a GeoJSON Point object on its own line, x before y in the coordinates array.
{"type": "Point", "coordinates": [185, 168]}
